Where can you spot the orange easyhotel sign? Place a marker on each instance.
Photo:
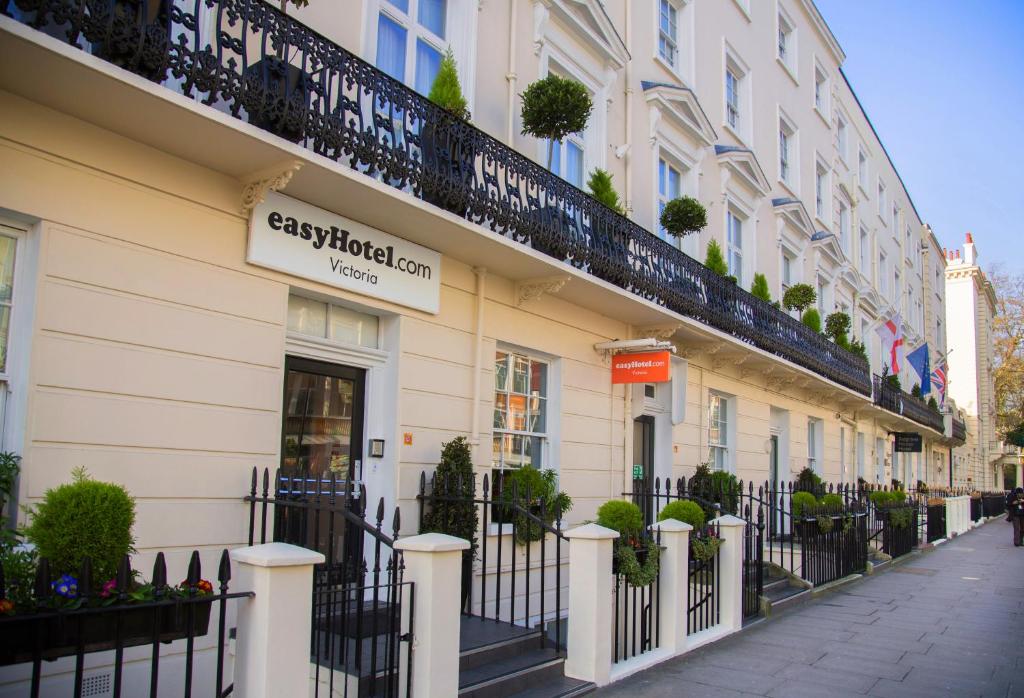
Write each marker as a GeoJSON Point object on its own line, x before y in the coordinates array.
{"type": "Point", "coordinates": [648, 367]}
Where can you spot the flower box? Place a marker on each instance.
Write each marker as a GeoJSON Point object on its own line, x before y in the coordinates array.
{"type": "Point", "coordinates": [62, 635]}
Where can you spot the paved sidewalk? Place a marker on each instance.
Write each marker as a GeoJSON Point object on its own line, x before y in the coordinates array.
{"type": "Point", "coordinates": [949, 621]}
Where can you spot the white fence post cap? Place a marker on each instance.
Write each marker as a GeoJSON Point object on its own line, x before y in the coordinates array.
{"type": "Point", "coordinates": [276, 555]}
{"type": "Point", "coordinates": [592, 531]}
{"type": "Point", "coordinates": [431, 543]}
{"type": "Point", "coordinates": [671, 526]}
{"type": "Point", "coordinates": [729, 520]}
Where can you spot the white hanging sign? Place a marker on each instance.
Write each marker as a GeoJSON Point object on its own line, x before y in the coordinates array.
{"type": "Point", "coordinates": [296, 238]}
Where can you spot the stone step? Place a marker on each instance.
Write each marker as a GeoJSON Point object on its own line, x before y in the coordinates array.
{"type": "Point", "coordinates": [513, 674]}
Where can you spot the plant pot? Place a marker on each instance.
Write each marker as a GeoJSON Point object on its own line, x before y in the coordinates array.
{"type": "Point", "coordinates": [445, 167]}
{"type": "Point", "coordinates": [148, 21]}
{"type": "Point", "coordinates": [60, 636]}
{"type": "Point", "coordinates": [277, 97]}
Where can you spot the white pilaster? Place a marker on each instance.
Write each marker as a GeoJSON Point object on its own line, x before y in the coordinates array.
{"type": "Point", "coordinates": [590, 603]}
{"type": "Point", "coordinates": [673, 582]}
{"type": "Point", "coordinates": [731, 566]}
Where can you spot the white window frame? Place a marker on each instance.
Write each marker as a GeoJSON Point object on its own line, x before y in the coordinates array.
{"type": "Point", "coordinates": [896, 221]}
{"type": "Point", "coordinates": [727, 446]}
{"type": "Point", "coordinates": [864, 247]}
{"type": "Point", "coordinates": [863, 167]}
{"type": "Point", "coordinates": [845, 234]}
{"type": "Point", "coordinates": [14, 379]}
{"type": "Point", "coordinates": [821, 93]}
{"type": "Point", "coordinates": [882, 201]}
{"type": "Point", "coordinates": [460, 36]}
{"type": "Point", "coordinates": [732, 213]}
{"type": "Point", "coordinates": [883, 277]}
{"type": "Point", "coordinates": [822, 190]}
{"type": "Point", "coordinates": [787, 255]}
{"type": "Point", "coordinates": [672, 61]}
{"type": "Point", "coordinates": [742, 129]}
{"type": "Point", "coordinates": [814, 444]}
{"type": "Point", "coordinates": [843, 136]}
{"type": "Point", "coordinates": [789, 161]}
{"type": "Point", "coordinates": [786, 43]}
{"type": "Point", "coordinates": [550, 436]}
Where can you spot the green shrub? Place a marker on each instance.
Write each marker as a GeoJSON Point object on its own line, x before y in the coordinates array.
{"type": "Point", "coordinates": [532, 486]}
{"type": "Point", "coordinates": [916, 391]}
{"type": "Point", "coordinates": [932, 404]}
{"type": "Point", "coordinates": [802, 503]}
{"type": "Point", "coordinates": [808, 481]}
{"type": "Point", "coordinates": [454, 478]}
{"type": "Point", "coordinates": [760, 288]}
{"type": "Point", "coordinates": [799, 297]}
{"type": "Point", "coordinates": [832, 501]}
{"type": "Point", "coordinates": [837, 324]}
{"type": "Point", "coordinates": [10, 465]}
{"type": "Point", "coordinates": [19, 566]}
{"type": "Point", "coordinates": [446, 92]}
{"type": "Point", "coordinates": [624, 517]}
{"type": "Point", "coordinates": [84, 518]}
{"type": "Point", "coordinates": [714, 259]}
{"type": "Point", "coordinates": [842, 341]}
{"type": "Point", "coordinates": [685, 511]}
{"type": "Point", "coordinates": [683, 216]}
{"type": "Point", "coordinates": [600, 186]}
{"type": "Point", "coordinates": [891, 379]}
{"type": "Point", "coordinates": [858, 349]}
{"type": "Point", "coordinates": [553, 108]}
{"type": "Point", "coordinates": [811, 318]}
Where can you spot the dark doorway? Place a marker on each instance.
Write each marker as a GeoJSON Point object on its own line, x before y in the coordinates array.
{"type": "Point", "coordinates": [643, 465]}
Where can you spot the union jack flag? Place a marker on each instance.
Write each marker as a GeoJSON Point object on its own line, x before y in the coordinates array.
{"type": "Point", "coordinates": [939, 382]}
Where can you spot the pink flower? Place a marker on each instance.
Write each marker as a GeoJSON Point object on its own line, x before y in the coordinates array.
{"type": "Point", "coordinates": [109, 588]}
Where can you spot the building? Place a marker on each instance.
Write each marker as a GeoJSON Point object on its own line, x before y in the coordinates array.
{"type": "Point", "coordinates": [971, 303]}
{"type": "Point", "coordinates": [209, 278]}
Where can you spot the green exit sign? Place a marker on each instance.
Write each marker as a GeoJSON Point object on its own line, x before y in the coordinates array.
{"type": "Point", "coordinates": [638, 471]}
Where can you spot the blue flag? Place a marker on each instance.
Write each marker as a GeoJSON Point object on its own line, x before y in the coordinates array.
{"type": "Point", "coordinates": [919, 360]}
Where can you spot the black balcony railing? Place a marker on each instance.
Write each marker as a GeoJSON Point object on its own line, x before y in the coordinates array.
{"type": "Point", "coordinates": [959, 430]}
{"type": "Point", "coordinates": [898, 402]}
{"type": "Point", "coordinates": [246, 58]}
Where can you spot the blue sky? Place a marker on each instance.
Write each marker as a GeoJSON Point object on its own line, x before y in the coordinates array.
{"type": "Point", "coordinates": [941, 81]}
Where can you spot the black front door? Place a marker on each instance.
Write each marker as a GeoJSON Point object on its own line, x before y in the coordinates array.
{"type": "Point", "coordinates": [643, 465]}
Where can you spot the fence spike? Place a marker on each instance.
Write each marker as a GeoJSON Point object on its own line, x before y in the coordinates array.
{"type": "Point", "coordinates": [266, 482]}
{"type": "Point", "coordinates": [3, 585]}
{"type": "Point", "coordinates": [195, 572]}
{"type": "Point", "coordinates": [380, 512]}
{"type": "Point", "coordinates": [159, 572]}
{"type": "Point", "coordinates": [43, 581]}
{"type": "Point", "coordinates": [85, 578]}
{"type": "Point", "coordinates": [396, 523]}
{"type": "Point", "coordinates": [255, 480]}
{"type": "Point", "coordinates": [487, 485]}
{"type": "Point", "coordinates": [224, 570]}
{"type": "Point", "coordinates": [124, 575]}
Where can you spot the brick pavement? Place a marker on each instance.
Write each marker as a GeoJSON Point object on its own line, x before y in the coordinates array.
{"type": "Point", "coordinates": [948, 621]}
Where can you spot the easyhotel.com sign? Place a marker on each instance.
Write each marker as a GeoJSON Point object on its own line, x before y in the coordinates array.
{"type": "Point", "coordinates": [296, 238]}
{"type": "Point", "coordinates": [646, 367]}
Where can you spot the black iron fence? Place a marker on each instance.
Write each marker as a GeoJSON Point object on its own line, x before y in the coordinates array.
{"type": "Point", "coordinates": [993, 504]}
{"type": "Point", "coordinates": [359, 636]}
{"type": "Point", "coordinates": [976, 514]}
{"type": "Point", "coordinates": [71, 615]}
{"type": "Point", "coordinates": [959, 430]}
{"type": "Point", "coordinates": [753, 561]}
{"type": "Point", "coordinates": [936, 514]}
{"type": "Point", "coordinates": [704, 607]}
{"type": "Point", "coordinates": [499, 584]}
{"type": "Point", "coordinates": [277, 74]}
{"type": "Point", "coordinates": [636, 626]}
{"type": "Point", "coordinates": [833, 542]}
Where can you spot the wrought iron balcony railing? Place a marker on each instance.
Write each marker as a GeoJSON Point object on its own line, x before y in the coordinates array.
{"type": "Point", "coordinates": [959, 430]}
{"type": "Point", "coordinates": [898, 402]}
{"type": "Point", "coordinates": [246, 58]}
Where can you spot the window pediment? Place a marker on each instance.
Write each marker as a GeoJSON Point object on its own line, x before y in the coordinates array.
{"type": "Point", "coordinates": [793, 211]}
{"type": "Point", "coordinates": [589, 21]}
{"type": "Point", "coordinates": [828, 244]}
{"type": "Point", "coordinates": [743, 163]}
{"type": "Point", "coordinates": [681, 106]}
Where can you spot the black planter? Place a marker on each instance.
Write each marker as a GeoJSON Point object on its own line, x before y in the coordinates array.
{"type": "Point", "coordinates": [447, 167]}
{"type": "Point", "coordinates": [138, 37]}
{"type": "Point", "coordinates": [277, 97]}
{"type": "Point", "coordinates": [60, 636]}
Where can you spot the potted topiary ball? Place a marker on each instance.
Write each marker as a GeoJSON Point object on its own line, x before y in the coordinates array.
{"type": "Point", "coordinates": [634, 557]}
{"type": "Point", "coordinates": [276, 92]}
{"type": "Point", "coordinates": [447, 161]}
{"type": "Point", "coordinates": [683, 216]}
{"type": "Point", "coordinates": [799, 297]}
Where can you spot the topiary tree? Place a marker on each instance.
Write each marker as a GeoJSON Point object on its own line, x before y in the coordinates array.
{"type": "Point", "coordinates": [10, 466]}
{"type": "Point", "coordinates": [808, 481]}
{"type": "Point", "coordinates": [83, 519]}
{"type": "Point", "coordinates": [802, 503]}
{"type": "Point", "coordinates": [858, 348]}
{"type": "Point", "coordinates": [683, 216]}
{"type": "Point", "coordinates": [553, 108]}
{"type": "Point", "coordinates": [891, 379]}
{"type": "Point", "coordinates": [685, 511]}
{"type": "Point", "coordinates": [832, 501]}
{"type": "Point", "coordinates": [799, 297]}
{"type": "Point", "coordinates": [916, 391]}
{"type": "Point", "coordinates": [714, 259]}
{"type": "Point", "coordinates": [934, 407]}
{"type": "Point", "coordinates": [600, 186]}
{"type": "Point", "coordinates": [624, 517]}
{"type": "Point", "coordinates": [446, 92]}
{"type": "Point", "coordinates": [812, 318]}
{"type": "Point", "coordinates": [532, 486]}
{"type": "Point", "coordinates": [760, 288]}
{"type": "Point", "coordinates": [837, 327]}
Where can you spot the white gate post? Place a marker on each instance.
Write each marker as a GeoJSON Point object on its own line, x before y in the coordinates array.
{"type": "Point", "coordinates": [731, 565]}
{"type": "Point", "coordinates": [951, 517]}
{"type": "Point", "coordinates": [674, 583]}
{"type": "Point", "coordinates": [590, 603]}
{"type": "Point", "coordinates": [433, 563]}
{"type": "Point", "coordinates": [272, 649]}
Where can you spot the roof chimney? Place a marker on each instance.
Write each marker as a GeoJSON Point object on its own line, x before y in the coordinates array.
{"type": "Point", "coordinates": [970, 253]}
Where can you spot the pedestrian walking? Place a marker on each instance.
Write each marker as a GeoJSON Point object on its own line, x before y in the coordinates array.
{"type": "Point", "coordinates": [1017, 513]}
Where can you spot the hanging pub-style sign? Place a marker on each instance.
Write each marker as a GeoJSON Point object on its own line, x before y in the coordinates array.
{"type": "Point", "coordinates": [646, 367]}
{"type": "Point", "coordinates": [907, 442]}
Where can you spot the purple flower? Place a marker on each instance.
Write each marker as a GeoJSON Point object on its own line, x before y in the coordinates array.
{"type": "Point", "coordinates": [66, 586]}
{"type": "Point", "coordinates": [109, 588]}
